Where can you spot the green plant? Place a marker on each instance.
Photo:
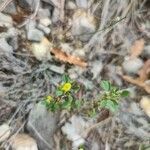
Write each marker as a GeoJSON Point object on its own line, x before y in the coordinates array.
{"type": "Point", "coordinates": [111, 96]}
{"type": "Point", "coordinates": [64, 96]}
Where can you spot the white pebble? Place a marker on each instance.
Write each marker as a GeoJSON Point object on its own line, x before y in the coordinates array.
{"type": "Point", "coordinates": [41, 50]}
{"type": "Point", "coordinates": [4, 132]}
{"type": "Point", "coordinates": [132, 66]}
{"type": "Point", "coordinates": [23, 142]}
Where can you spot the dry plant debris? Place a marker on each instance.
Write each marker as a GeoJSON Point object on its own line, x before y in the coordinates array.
{"type": "Point", "coordinates": [144, 72]}
{"type": "Point", "coordinates": [137, 48]}
{"type": "Point", "coordinates": [143, 76]}
{"type": "Point", "coordinates": [62, 56]}
{"type": "Point", "coordinates": [137, 82]}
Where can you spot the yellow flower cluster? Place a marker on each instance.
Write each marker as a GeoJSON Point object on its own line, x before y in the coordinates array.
{"type": "Point", "coordinates": [66, 87]}
{"type": "Point", "coordinates": [49, 99]}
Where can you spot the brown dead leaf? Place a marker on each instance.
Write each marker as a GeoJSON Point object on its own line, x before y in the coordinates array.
{"type": "Point", "coordinates": [145, 71]}
{"type": "Point", "coordinates": [137, 48]}
{"type": "Point", "coordinates": [62, 56]}
{"type": "Point", "coordinates": [137, 82]}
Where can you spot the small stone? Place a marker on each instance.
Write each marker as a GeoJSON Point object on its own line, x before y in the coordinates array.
{"type": "Point", "coordinates": [43, 13]}
{"type": "Point", "coordinates": [23, 142]}
{"type": "Point", "coordinates": [71, 5]}
{"type": "Point", "coordinates": [41, 50]}
{"type": "Point", "coordinates": [45, 21]}
{"type": "Point", "coordinates": [42, 125]}
{"type": "Point", "coordinates": [83, 25]}
{"type": "Point", "coordinates": [146, 51]}
{"type": "Point", "coordinates": [55, 16]}
{"type": "Point", "coordinates": [132, 66]}
{"type": "Point", "coordinates": [35, 35]}
{"type": "Point", "coordinates": [82, 3]}
{"type": "Point", "coordinates": [45, 29]}
{"type": "Point", "coordinates": [145, 104]}
{"type": "Point", "coordinates": [4, 46]}
{"type": "Point", "coordinates": [4, 132]}
{"type": "Point", "coordinates": [5, 20]}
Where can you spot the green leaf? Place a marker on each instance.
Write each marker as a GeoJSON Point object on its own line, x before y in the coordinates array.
{"type": "Point", "coordinates": [111, 106]}
{"type": "Point", "coordinates": [59, 93]}
{"type": "Point", "coordinates": [92, 113]}
{"type": "Point", "coordinates": [103, 103]}
{"type": "Point", "coordinates": [78, 104]}
{"type": "Point", "coordinates": [66, 78]}
{"type": "Point", "coordinates": [105, 85]}
{"type": "Point", "coordinates": [125, 93]}
{"type": "Point", "coordinates": [66, 105]}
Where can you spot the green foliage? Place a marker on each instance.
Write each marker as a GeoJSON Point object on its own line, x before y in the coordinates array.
{"type": "Point", "coordinates": [64, 98]}
{"type": "Point", "coordinates": [112, 95]}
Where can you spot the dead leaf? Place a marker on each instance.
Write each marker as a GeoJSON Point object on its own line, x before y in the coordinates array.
{"type": "Point", "coordinates": [62, 56]}
{"type": "Point", "coordinates": [137, 48]}
{"type": "Point", "coordinates": [145, 71]}
{"type": "Point", "coordinates": [137, 82]}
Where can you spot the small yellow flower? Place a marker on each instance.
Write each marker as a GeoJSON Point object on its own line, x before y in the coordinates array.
{"type": "Point", "coordinates": [66, 87]}
{"type": "Point", "coordinates": [49, 99]}
{"type": "Point", "coordinates": [81, 149]}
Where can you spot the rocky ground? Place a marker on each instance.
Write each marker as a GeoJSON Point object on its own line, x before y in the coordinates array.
{"type": "Point", "coordinates": [90, 40]}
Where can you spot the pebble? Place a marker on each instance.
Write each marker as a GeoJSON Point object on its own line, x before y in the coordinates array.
{"type": "Point", "coordinates": [145, 104]}
{"type": "Point", "coordinates": [35, 35]}
{"type": "Point", "coordinates": [132, 66]}
{"type": "Point", "coordinates": [41, 50]}
{"type": "Point", "coordinates": [55, 16]}
{"type": "Point", "coordinates": [82, 3]}
{"type": "Point", "coordinates": [146, 51]}
{"type": "Point", "coordinates": [5, 20]}
{"type": "Point", "coordinates": [83, 25]}
{"type": "Point", "coordinates": [23, 142]}
{"type": "Point", "coordinates": [4, 46]}
{"type": "Point", "coordinates": [4, 132]}
{"type": "Point", "coordinates": [71, 5]}
{"type": "Point", "coordinates": [43, 13]}
{"type": "Point", "coordinates": [45, 21]}
{"type": "Point", "coordinates": [45, 29]}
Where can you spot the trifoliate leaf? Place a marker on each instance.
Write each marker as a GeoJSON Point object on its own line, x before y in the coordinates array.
{"type": "Point", "coordinates": [59, 93]}
{"type": "Point", "coordinates": [111, 106]}
{"type": "Point", "coordinates": [125, 93]}
{"type": "Point", "coordinates": [105, 85]}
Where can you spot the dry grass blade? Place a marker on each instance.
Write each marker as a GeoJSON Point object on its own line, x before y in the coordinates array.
{"type": "Point", "coordinates": [145, 71]}
{"type": "Point", "coordinates": [62, 56]}
{"type": "Point", "coordinates": [137, 82]}
{"type": "Point", "coordinates": [4, 4]}
{"type": "Point", "coordinates": [137, 48]}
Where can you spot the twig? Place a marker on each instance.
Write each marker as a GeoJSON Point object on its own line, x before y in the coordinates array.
{"type": "Point", "coordinates": [62, 5]}
{"type": "Point", "coordinates": [4, 4]}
